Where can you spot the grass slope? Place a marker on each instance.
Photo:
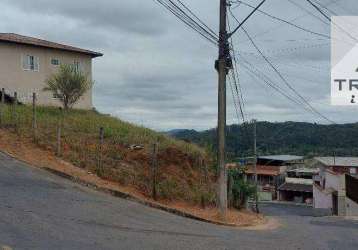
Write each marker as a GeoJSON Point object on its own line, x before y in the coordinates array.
{"type": "Point", "coordinates": [181, 175]}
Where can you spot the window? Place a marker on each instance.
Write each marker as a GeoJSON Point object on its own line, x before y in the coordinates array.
{"type": "Point", "coordinates": [55, 62]}
{"type": "Point", "coordinates": [30, 63]}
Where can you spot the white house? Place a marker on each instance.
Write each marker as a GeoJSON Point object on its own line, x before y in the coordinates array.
{"type": "Point", "coordinates": [26, 62]}
{"type": "Point", "coordinates": [330, 188]}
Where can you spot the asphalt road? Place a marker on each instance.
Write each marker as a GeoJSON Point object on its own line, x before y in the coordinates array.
{"type": "Point", "coordinates": [42, 211]}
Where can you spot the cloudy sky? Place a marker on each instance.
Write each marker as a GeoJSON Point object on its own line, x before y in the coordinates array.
{"type": "Point", "coordinates": [158, 73]}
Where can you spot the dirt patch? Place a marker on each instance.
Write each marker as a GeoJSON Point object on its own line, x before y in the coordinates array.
{"type": "Point", "coordinates": [25, 150]}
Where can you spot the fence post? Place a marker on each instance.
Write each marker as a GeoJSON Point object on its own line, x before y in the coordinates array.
{"type": "Point", "coordinates": [14, 110]}
{"type": "Point", "coordinates": [100, 151]}
{"type": "Point", "coordinates": [154, 170]}
{"type": "Point", "coordinates": [34, 121]}
{"type": "Point", "coordinates": [2, 106]}
{"type": "Point", "coordinates": [202, 182]}
{"type": "Point", "coordinates": [58, 145]}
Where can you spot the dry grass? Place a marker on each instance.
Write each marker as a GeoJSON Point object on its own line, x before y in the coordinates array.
{"type": "Point", "coordinates": [181, 177]}
{"type": "Point", "coordinates": [24, 149]}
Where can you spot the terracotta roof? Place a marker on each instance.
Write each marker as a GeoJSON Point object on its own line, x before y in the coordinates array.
{"type": "Point", "coordinates": [264, 170]}
{"type": "Point", "coordinates": [296, 187]}
{"type": "Point", "coordinates": [19, 39]}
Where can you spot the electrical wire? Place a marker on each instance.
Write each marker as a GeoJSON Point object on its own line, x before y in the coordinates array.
{"type": "Point", "coordinates": [189, 19]}
{"type": "Point", "coordinates": [285, 21]}
{"type": "Point", "coordinates": [284, 79]}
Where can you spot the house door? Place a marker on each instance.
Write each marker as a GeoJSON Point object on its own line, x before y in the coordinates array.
{"type": "Point", "coordinates": [334, 204]}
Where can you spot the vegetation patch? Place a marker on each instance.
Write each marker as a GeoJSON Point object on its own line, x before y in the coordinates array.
{"type": "Point", "coordinates": [126, 154]}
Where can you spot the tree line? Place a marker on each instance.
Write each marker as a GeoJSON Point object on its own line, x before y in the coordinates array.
{"type": "Point", "coordinates": [299, 138]}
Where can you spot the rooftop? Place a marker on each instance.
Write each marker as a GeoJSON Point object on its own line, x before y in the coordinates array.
{"type": "Point", "coordinates": [26, 40]}
{"type": "Point", "coordinates": [296, 187]}
{"type": "Point", "coordinates": [305, 170]}
{"type": "Point", "coordinates": [299, 181]}
{"type": "Point", "coordinates": [338, 161]}
{"type": "Point", "coordinates": [264, 170]}
{"type": "Point", "coordinates": [281, 157]}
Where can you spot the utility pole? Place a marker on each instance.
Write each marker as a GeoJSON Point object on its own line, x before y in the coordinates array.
{"type": "Point", "coordinates": [255, 168]}
{"type": "Point", "coordinates": [222, 66]}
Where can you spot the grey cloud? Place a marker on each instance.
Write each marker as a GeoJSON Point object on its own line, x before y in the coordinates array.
{"type": "Point", "coordinates": [131, 16]}
{"type": "Point", "coordinates": [158, 73]}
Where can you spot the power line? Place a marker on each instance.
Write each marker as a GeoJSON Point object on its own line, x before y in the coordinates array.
{"type": "Point", "coordinates": [235, 101]}
{"type": "Point", "coordinates": [242, 22]}
{"type": "Point", "coordinates": [319, 10]}
{"type": "Point", "coordinates": [284, 21]}
{"type": "Point", "coordinates": [235, 77]}
{"type": "Point", "coordinates": [183, 16]}
{"type": "Point", "coordinates": [260, 75]}
{"type": "Point", "coordinates": [329, 19]}
{"type": "Point", "coordinates": [284, 80]}
{"type": "Point", "coordinates": [326, 8]}
{"type": "Point", "coordinates": [197, 18]}
{"type": "Point", "coordinates": [308, 12]}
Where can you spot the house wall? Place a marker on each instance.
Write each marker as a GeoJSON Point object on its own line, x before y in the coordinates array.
{"type": "Point", "coordinates": [321, 199]}
{"type": "Point", "coordinates": [14, 78]}
{"type": "Point", "coordinates": [351, 208]}
{"type": "Point", "coordinates": [332, 181]}
{"type": "Point", "coordinates": [322, 195]}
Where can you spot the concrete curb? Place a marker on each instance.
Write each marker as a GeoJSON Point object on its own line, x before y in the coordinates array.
{"type": "Point", "coordinates": [128, 196]}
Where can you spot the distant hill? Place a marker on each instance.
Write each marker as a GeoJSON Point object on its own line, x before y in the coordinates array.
{"type": "Point", "coordinates": [298, 138]}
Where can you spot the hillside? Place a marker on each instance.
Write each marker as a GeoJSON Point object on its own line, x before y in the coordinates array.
{"type": "Point", "coordinates": [282, 138]}
{"type": "Point", "coordinates": [127, 151]}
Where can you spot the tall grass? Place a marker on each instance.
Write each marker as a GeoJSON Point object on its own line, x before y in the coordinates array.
{"type": "Point", "coordinates": [180, 177]}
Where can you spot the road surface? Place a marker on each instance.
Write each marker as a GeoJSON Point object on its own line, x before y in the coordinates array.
{"type": "Point", "coordinates": [42, 211]}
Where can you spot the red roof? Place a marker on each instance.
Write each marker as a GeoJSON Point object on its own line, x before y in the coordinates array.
{"type": "Point", "coordinates": [19, 39]}
{"type": "Point", "coordinates": [264, 170]}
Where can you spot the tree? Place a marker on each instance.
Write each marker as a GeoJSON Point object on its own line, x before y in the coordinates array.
{"type": "Point", "coordinates": [68, 85]}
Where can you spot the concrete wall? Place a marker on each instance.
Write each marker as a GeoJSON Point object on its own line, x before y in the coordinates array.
{"type": "Point", "coordinates": [321, 199]}
{"type": "Point", "coordinates": [332, 181]}
{"type": "Point", "coordinates": [351, 208]}
{"type": "Point", "coordinates": [14, 78]}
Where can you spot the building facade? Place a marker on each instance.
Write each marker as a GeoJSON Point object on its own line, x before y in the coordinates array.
{"type": "Point", "coordinates": [26, 63]}
{"type": "Point", "coordinates": [330, 190]}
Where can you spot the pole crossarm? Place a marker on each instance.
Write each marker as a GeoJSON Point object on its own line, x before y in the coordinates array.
{"type": "Point", "coordinates": [252, 12]}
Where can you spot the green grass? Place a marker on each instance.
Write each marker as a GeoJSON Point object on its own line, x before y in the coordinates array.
{"type": "Point", "coordinates": [179, 173]}
{"type": "Point", "coordinates": [88, 123]}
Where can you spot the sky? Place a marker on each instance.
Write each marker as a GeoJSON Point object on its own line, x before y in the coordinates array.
{"type": "Point", "coordinates": [158, 73]}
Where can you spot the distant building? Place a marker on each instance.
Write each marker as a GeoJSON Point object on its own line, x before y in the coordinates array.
{"type": "Point", "coordinates": [26, 63]}
{"type": "Point", "coordinates": [298, 186]}
{"type": "Point", "coordinates": [281, 160]}
{"type": "Point", "coordinates": [335, 191]}
{"type": "Point", "coordinates": [271, 173]}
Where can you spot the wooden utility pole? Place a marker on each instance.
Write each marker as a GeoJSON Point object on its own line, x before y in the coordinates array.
{"type": "Point", "coordinates": [221, 65]}
{"type": "Point", "coordinates": [255, 168]}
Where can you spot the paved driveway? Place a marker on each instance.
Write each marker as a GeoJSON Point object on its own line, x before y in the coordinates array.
{"type": "Point", "coordinates": [41, 211]}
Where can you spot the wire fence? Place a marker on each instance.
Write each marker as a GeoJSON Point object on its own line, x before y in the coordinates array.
{"type": "Point", "coordinates": [123, 153]}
